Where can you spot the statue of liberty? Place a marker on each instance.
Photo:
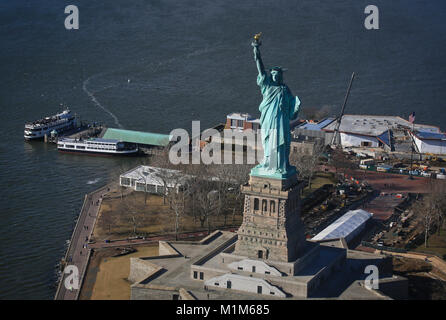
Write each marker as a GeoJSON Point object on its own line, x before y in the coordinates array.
{"type": "Point", "coordinates": [277, 108]}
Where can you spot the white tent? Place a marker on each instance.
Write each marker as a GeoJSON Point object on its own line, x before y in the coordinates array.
{"type": "Point", "coordinates": [347, 226]}
{"type": "Point", "coordinates": [152, 179]}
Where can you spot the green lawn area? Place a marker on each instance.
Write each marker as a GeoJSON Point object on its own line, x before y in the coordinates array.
{"type": "Point", "coordinates": [319, 179]}
{"type": "Point", "coordinates": [436, 244]}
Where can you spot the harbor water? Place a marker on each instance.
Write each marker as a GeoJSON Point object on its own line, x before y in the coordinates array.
{"type": "Point", "coordinates": [157, 65]}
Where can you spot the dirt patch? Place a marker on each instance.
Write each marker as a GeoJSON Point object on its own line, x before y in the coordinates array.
{"type": "Point", "coordinates": [423, 285]}
{"type": "Point", "coordinates": [406, 265]}
{"type": "Point", "coordinates": [106, 277]}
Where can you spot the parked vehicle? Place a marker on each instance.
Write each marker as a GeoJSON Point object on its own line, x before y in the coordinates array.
{"type": "Point", "coordinates": [367, 161]}
{"type": "Point", "coordinates": [399, 165]}
{"type": "Point", "coordinates": [383, 168]}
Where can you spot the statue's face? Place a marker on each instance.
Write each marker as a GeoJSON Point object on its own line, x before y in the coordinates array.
{"type": "Point", "coordinates": [276, 76]}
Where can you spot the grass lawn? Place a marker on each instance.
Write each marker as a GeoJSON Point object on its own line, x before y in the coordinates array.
{"type": "Point", "coordinates": [436, 244]}
{"type": "Point", "coordinates": [319, 179]}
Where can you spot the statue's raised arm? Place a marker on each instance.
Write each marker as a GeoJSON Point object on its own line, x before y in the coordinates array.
{"type": "Point", "coordinates": [257, 57]}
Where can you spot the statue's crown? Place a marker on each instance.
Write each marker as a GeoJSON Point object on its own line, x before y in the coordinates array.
{"type": "Point", "coordinates": [279, 69]}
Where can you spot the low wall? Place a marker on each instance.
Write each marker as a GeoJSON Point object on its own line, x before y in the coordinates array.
{"type": "Point", "coordinates": [186, 295]}
{"type": "Point", "coordinates": [166, 249]}
{"type": "Point", "coordinates": [294, 288]}
{"type": "Point", "coordinates": [214, 235]}
{"type": "Point", "coordinates": [138, 292]}
{"type": "Point", "coordinates": [141, 269]}
{"type": "Point", "coordinates": [215, 251]}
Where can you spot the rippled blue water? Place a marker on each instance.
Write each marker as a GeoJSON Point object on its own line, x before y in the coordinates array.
{"type": "Point", "coordinates": [186, 60]}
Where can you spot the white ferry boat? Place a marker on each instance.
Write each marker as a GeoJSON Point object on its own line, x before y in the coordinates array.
{"type": "Point", "coordinates": [59, 122]}
{"type": "Point", "coordinates": [97, 146]}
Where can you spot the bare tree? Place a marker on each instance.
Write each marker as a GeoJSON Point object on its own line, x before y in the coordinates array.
{"type": "Point", "coordinates": [238, 174]}
{"type": "Point", "coordinates": [428, 210]}
{"type": "Point", "coordinates": [306, 164]}
{"type": "Point", "coordinates": [107, 220]}
{"type": "Point", "coordinates": [133, 212]}
{"type": "Point", "coordinates": [340, 161]}
{"type": "Point", "coordinates": [203, 191]}
{"type": "Point", "coordinates": [437, 198]}
{"type": "Point", "coordinates": [429, 214]}
{"type": "Point", "coordinates": [223, 187]}
{"type": "Point", "coordinates": [176, 192]}
{"type": "Point", "coordinates": [165, 176]}
{"type": "Point", "coordinates": [230, 179]}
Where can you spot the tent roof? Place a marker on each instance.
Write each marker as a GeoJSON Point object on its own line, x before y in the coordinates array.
{"type": "Point", "coordinates": [345, 225]}
{"type": "Point", "coordinates": [155, 139]}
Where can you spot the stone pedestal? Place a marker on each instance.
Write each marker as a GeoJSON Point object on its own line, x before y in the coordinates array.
{"type": "Point", "coordinates": [271, 228]}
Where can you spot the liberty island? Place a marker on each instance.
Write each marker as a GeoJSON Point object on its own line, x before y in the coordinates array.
{"type": "Point", "coordinates": [269, 256]}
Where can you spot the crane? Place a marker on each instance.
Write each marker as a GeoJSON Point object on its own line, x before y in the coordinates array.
{"type": "Point", "coordinates": [335, 139]}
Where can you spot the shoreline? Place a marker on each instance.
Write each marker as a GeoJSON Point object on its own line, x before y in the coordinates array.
{"type": "Point", "coordinates": [73, 256]}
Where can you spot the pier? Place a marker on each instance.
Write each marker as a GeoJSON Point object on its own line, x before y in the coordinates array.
{"type": "Point", "coordinates": [84, 131]}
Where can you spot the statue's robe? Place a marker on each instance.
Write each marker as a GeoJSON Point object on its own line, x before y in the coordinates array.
{"type": "Point", "coordinates": [277, 109]}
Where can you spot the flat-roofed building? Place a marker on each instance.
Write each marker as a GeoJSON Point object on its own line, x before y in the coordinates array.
{"type": "Point", "coordinates": [311, 131]}
{"type": "Point", "coordinates": [242, 121]}
{"type": "Point", "coordinates": [241, 130]}
{"type": "Point", "coordinates": [430, 142]}
{"type": "Point", "coordinates": [373, 131]}
{"type": "Point", "coordinates": [348, 226]}
{"type": "Point", "coordinates": [144, 139]}
{"type": "Point", "coordinates": [308, 135]}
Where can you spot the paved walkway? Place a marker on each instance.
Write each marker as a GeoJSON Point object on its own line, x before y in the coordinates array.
{"type": "Point", "coordinates": [78, 252]}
